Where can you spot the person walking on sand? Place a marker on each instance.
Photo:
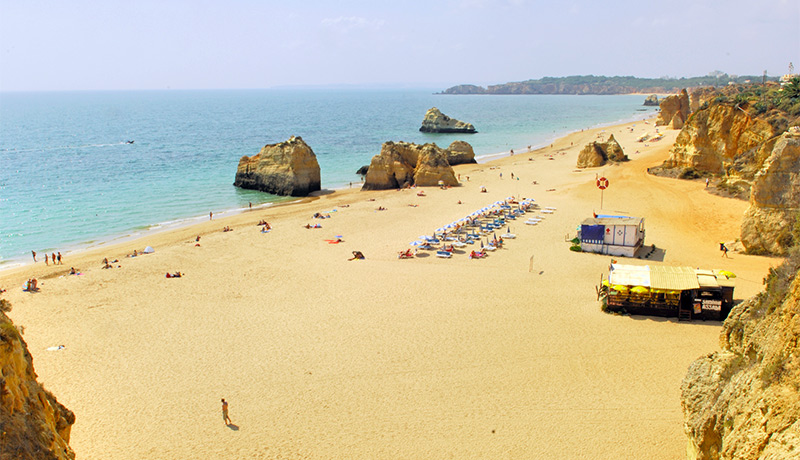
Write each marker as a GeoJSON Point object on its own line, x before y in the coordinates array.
{"type": "Point", "coordinates": [45, 259]}
{"type": "Point", "coordinates": [59, 258]}
{"type": "Point", "coordinates": [53, 258]}
{"type": "Point", "coordinates": [724, 250]}
{"type": "Point", "coordinates": [225, 417]}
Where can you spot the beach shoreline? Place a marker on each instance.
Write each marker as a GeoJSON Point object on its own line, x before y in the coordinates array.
{"type": "Point", "coordinates": [325, 357]}
{"type": "Point", "coordinates": [160, 227]}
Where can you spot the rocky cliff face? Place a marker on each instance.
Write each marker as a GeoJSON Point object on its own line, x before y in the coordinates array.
{"type": "Point", "coordinates": [460, 152]}
{"type": "Point", "coordinates": [714, 137]}
{"type": "Point", "coordinates": [437, 122]}
{"type": "Point", "coordinates": [674, 110]}
{"type": "Point", "coordinates": [288, 168]}
{"type": "Point", "coordinates": [596, 154]}
{"type": "Point", "coordinates": [743, 402]}
{"type": "Point", "coordinates": [33, 425]}
{"type": "Point", "coordinates": [404, 164]}
{"type": "Point", "coordinates": [774, 199]}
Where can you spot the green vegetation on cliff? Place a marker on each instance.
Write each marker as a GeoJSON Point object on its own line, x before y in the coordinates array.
{"type": "Point", "coordinates": [591, 84]}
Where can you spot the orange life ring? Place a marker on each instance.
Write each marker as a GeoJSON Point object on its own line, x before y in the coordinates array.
{"type": "Point", "coordinates": [602, 183]}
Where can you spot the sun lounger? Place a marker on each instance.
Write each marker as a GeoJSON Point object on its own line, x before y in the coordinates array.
{"type": "Point", "coordinates": [444, 254]}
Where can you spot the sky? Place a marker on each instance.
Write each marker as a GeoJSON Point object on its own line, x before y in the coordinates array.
{"type": "Point", "coordinates": [163, 44]}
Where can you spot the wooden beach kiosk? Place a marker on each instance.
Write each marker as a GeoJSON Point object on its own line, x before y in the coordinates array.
{"type": "Point", "coordinates": [612, 235]}
{"type": "Point", "coordinates": [683, 292]}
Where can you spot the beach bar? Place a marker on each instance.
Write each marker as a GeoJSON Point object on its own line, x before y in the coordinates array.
{"type": "Point", "coordinates": [683, 292]}
{"type": "Point", "coordinates": [613, 235]}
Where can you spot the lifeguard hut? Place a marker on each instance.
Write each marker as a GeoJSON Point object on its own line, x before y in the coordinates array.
{"type": "Point", "coordinates": [613, 235]}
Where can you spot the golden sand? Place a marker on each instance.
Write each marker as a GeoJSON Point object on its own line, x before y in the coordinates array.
{"type": "Point", "coordinates": [321, 357]}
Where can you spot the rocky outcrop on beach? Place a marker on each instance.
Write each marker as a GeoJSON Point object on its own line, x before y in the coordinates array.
{"type": "Point", "coordinates": [403, 164]}
{"type": "Point", "coordinates": [596, 154]}
{"type": "Point", "coordinates": [743, 402]}
{"type": "Point", "coordinates": [674, 110]}
{"type": "Point", "coordinates": [437, 122]}
{"type": "Point", "coordinates": [767, 227]}
{"type": "Point", "coordinates": [288, 168]}
{"type": "Point", "coordinates": [459, 153]}
{"type": "Point", "coordinates": [651, 100]}
{"type": "Point", "coordinates": [33, 423]}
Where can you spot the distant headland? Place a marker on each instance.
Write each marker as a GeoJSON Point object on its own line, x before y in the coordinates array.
{"type": "Point", "coordinates": [592, 84]}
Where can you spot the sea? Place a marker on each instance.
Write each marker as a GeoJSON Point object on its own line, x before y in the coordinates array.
{"type": "Point", "coordinates": [70, 179]}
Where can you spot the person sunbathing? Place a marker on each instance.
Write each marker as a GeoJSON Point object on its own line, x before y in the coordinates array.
{"type": "Point", "coordinates": [174, 275]}
{"type": "Point", "coordinates": [357, 255]}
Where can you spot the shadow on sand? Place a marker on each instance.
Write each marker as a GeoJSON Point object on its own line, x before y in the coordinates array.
{"type": "Point", "coordinates": [233, 427]}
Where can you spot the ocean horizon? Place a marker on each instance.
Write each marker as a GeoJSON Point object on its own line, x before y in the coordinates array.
{"type": "Point", "coordinates": [71, 180]}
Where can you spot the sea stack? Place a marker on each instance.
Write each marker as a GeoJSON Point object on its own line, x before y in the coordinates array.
{"type": "Point", "coordinates": [651, 100]}
{"type": "Point", "coordinates": [437, 122]}
{"type": "Point", "coordinates": [403, 164]}
{"type": "Point", "coordinates": [287, 168]}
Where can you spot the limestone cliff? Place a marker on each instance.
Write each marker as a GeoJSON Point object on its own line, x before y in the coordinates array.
{"type": "Point", "coordinates": [596, 154]}
{"type": "Point", "coordinates": [437, 122]}
{"type": "Point", "coordinates": [743, 402]}
{"type": "Point", "coordinates": [403, 164]}
{"type": "Point", "coordinates": [768, 223]}
{"type": "Point", "coordinates": [715, 136]}
{"type": "Point", "coordinates": [33, 425]}
{"type": "Point", "coordinates": [460, 152]}
{"type": "Point", "coordinates": [674, 110]}
{"type": "Point", "coordinates": [288, 168]}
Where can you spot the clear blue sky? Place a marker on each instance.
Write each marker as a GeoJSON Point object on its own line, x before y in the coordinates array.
{"type": "Point", "coordinates": [133, 44]}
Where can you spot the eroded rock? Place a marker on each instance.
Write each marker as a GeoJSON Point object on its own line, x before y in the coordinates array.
{"type": "Point", "coordinates": [596, 154]}
{"type": "Point", "coordinates": [672, 105]}
{"type": "Point", "coordinates": [437, 122]}
{"type": "Point", "coordinates": [402, 164]}
{"type": "Point", "coordinates": [287, 168]}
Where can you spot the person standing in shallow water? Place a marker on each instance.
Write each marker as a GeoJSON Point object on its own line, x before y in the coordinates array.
{"type": "Point", "coordinates": [225, 417]}
{"type": "Point", "coordinates": [34, 255]}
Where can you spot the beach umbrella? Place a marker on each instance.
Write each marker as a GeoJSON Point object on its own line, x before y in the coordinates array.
{"type": "Point", "coordinates": [149, 250]}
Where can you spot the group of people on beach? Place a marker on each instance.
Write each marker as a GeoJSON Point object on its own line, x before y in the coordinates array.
{"type": "Point", "coordinates": [48, 257]}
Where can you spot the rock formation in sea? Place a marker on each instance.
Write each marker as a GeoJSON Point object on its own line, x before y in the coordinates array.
{"type": "Point", "coordinates": [743, 402]}
{"type": "Point", "coordinates": [287, 168]}
{"type": "Point", "coordinates": [769, 222]}
{"type": "Point", "coordinates": [651, 100]}
{"type": "Point", "coordinates": [596, 154]}
{"type": "Point", "coordinates": [402, 164]}
{"type": "Point", "coordinates": [460, 152]}
{"type": "Point", "coordinates": [34, 424]}
{"type": "Point", "coordinates": [674, 110]}
{"type": "Point", "coordinates": [437, 122]}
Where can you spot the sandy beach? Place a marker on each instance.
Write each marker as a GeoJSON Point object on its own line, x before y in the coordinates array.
{"type": "Point", "coordinates": [321, 357]}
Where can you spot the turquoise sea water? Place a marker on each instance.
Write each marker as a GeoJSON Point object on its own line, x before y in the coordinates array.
{"type": "Point", "coordinates": [68, 179]}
